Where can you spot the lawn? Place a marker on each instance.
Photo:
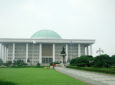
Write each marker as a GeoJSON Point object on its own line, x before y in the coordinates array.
{"type": "Point", "coordinates": [35, 76]}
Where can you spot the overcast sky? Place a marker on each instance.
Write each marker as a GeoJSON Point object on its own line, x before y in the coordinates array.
{"type": "Point", "coordinates": [73, 19]}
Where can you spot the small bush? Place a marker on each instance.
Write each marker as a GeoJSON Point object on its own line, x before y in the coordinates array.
{"type": "Point", "coordinates": [38, 64]}
{"type": "Point", "coordinates": [82, 61]}
{"type": "Point", "coordinates": [113, 60]}
{"type": "Point", "coordinates": [19, 63]}
{"type": "Point", "coordinates": [8, 63]}
{"type": "Point", "coordinates": [1, 62]}
{"type": "Point", "coordinates": [73, 62]}
{"type": "Point", "coordinates": [102, 61]}
{"type": "Point", "coordinates": [54, 63]}
{"type": "Point", "coordinates": [6, 83]}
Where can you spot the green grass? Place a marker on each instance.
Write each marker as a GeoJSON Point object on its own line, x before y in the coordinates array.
{"type": "Point", "coordinates": [95, 69]}
{"type": "Point", "coordinates": [35, 76]}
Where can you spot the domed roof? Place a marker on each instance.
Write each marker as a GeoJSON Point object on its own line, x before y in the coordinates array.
{"type": "Point", "coordinates": [46, 34]}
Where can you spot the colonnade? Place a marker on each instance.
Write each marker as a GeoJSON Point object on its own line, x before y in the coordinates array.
{"type": "Point", "coordinates": [4, 52]}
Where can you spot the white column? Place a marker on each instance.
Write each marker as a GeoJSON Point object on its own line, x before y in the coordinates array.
{"type": "Point", "coordinates": [13, 52]}
{"type": "Point", "coordinates": [26, 52]}
{"type": "Point", "coordinates": [40, 53]}
{"type": "Point", "coordinates": [2, 52]}
{"type": "Point", "coordinates": [79, 50]}
{"type": "Point", "coordinates": [5, 54]}
{"type": "Point", "coordinates": [66, 53]}
{"type": "Point", "coordinates": [87, 50]}
{"type": "Point", "coordinates": [90, 49]}
{"type": "Point", "coordinates": [3, 57]}
{"type": "Point", "coordinates": [53, 52]}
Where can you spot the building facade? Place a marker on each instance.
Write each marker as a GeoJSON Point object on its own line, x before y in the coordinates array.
{"type": "Point", "coordinates": [44, 47]}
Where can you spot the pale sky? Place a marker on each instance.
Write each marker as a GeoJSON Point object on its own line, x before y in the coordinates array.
{"type": "Point", "coordinates": [72, 19]}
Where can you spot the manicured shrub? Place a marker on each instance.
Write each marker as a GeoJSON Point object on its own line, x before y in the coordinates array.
{"type": "Point", "coordinates": [95, 69]}
{"type": "Point", "coordinates": [8, 63]}
{"type": "Point", "coordinates": [1, 62]}
{"type": "Point", "coordinates": [19, 63]}
{"type": "Point", "coordinates": [82, 61]}
{"type": "Point", "coordinates": [102, 61]}
{"type": "Point", "coordinates": [54, 63]}
{"type": "Point", "coordinates": [38, 64]}
{"type": "Point", "coordinates": [113, 60]}
{"type": "Point", "coordinates": [73, 62]}
{"type": "Point", "coordinates": [7, 83]}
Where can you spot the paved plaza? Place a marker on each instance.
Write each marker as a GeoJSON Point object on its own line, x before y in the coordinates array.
{"type": "Point", "coordinates": [92, 78]}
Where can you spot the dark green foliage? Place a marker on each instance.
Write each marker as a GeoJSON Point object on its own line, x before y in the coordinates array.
{"type": "Point", "coordinates": [54, 63]}
{"type": "Point", "coordinates": [73, 62]}
{"type": "Point", "coordinates": [82, 61]}
{"type": "Point", "coordinates": [38, 64]}
{"type": "Point", "coordinates": [1, 62]}
{"type": "Point", "coordinates": [7, 83]}
{"type": "Point", "coordinates": [8, 63]}
{"type": "Point", "coordinates": [113, 60]}
{"type": "Point", "coordinates": [102, 61]}
{"type": "Point", "coordinates": [19, 63]}
{"type": "Point", "coordinates": [95, 69]}
{"type": "Point", "coordinates": [98, 61]}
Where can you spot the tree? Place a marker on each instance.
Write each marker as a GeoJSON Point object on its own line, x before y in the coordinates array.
{"type": "Point", "coordinates": [1, 62]}
{"type": "Point", "coordinates": [102, 61]}
{"type": "Point", "coordinates": [73, 62]}
{"type": "Point", "coordinates": [113, 59]}
{"type": "Point", "coordinates": [85, 61]}
{"type": "Point", "coordinates": [82, 61]}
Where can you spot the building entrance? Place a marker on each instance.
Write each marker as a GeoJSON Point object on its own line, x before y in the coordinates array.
{"type": "Point", "coordinates": [47, 60]}
{"type": "Point", "coordinates": [47, 53]}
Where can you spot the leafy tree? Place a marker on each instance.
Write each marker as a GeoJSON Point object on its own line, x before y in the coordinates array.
{"type": "Point", "coordinates": [1, 62]}
{"type": "Point", "coordinates": [85, 61]}
{"type": "Point", "coordinates": [113, 59]}
{"type": "Point", "coordinates": [73, 62]}
{"type": "Point", "coordinates": [102, 61]}
{"type": "Point", "coordinates": [82, 61]}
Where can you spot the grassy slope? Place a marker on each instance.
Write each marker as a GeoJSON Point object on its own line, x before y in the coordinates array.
{"type": "Point", "coordinates": [36, 76]}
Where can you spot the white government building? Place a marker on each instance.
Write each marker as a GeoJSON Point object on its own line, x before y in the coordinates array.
{"type": "Point", "coordinates": [44, 46]}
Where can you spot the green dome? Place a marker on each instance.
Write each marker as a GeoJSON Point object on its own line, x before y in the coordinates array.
{"type": "Point", "coordinates": [46, 34]}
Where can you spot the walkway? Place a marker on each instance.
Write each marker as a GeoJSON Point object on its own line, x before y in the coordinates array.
{"type": "Point", "coordinates": [92, 78]}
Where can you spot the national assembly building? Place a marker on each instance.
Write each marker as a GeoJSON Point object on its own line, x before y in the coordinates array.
{"type": "Point", "coordinates": [44, 47]}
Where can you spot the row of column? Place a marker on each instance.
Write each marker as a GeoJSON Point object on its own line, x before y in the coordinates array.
{"type": "Point", "coordinates": [53, 49]}
{"type": "Point", "coordinates": [40, 53]}
{"type": "Point", "coordinates": [4, 52]}
{"type": "Point", "coordinates": [88, 50]}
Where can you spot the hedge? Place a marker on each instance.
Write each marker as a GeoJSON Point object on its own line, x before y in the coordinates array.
{"type": "Point", "coordinates": [95, 69]}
